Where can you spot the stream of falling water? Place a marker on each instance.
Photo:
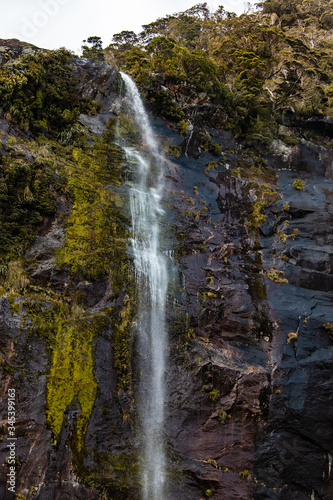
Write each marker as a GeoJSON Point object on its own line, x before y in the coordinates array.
{"type": "Point", "coordinates": [151, 273]}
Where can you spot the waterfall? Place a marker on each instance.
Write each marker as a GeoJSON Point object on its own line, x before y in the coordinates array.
{"type": "Point", "coordinates": [151, 278]}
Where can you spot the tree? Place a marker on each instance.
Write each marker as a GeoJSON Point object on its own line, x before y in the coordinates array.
{"type": "Point", "coordinates": [94, 51]}
{"type": "Point", "coordinates": [124, 40]}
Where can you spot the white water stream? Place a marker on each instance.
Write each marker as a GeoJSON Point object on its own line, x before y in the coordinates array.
{"type": "Point", "coordinates": [151, 273]}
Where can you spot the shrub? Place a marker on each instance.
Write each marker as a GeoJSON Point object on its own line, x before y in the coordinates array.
{"type": "Point", "coordinates": [182, 127]}
{"type": "Point", "coordinates": [25, 197]}
{"type": "Point", "coordinates": [17, 280]}
{"type": "Point", "coordinates": [299, 184]}
{"type": "Point", "coordinates": [329, 327]}
{"type": "Point", "coordinates": [214, 395]}
{"type": "Point", "coordinates": [174, 151]}
{"type": "Point", "coordinates": [222, 416]}
{"type": "Point", "coordinates": [39, 92]}
{"type": "Point", "coordinates": [210, 166]}
{"type": "Point", "coordinates": [276, 276]}
{"type": "Point", "coordinates": [257, 216]}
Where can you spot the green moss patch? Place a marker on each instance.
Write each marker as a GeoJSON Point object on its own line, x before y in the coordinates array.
{"type": "Point", "coordinates": [114, 475]}
{"type": "Point", "coordinates": [72, 375]}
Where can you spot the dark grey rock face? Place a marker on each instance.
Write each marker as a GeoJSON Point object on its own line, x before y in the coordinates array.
{"type": "Point", "coordinates": [97, 81]}
{"type": "Point", "coordinates": [276, 439]}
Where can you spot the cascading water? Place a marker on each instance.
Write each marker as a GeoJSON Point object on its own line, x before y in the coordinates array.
{"type": "Point", "coordinates": [151, 273]}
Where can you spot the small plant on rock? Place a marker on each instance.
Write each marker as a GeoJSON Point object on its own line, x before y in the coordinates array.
{"type": "Point", "coordinates": [244, 474]}
{"type": "Point", "coordinates": [20, 496]}
{"type": "Point", "coordinates": [257, 216]}
{"type": "Point", "coordinates": [277, 276]}
{"type": "Point", "coordinates": [212, 462]}
{"type": "Point", "coordinates": [329, 327]}
{"type": "Point", "coordinates": [174, 151]}
{"type": "Point", "coordinates": [222, 416]}
{"type": "Point", "coordinates": [292, 336]}
{"type": "Point", "coordinates": [210, 166]}
{"type": "Point", "coordinates": [182, 127]}
{"type": "Point", "coordinates": [214, 395]}
{"type": "Point", "coordinates": [283, 237]}
{"type": "Point", "coordinates": [299, 184]}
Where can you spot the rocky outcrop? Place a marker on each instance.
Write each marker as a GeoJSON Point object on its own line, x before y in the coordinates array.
{"type": "Point", "coordinates": [97, 81]}
{"type": "Point", "coordinates": [13, 49]}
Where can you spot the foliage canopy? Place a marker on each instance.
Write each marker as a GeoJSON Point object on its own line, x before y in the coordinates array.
{"type": "Point", "coordinates": [260, 66]}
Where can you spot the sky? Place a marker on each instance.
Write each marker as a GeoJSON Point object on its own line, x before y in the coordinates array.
{"type": "Point", "coordinates": [65, 23]}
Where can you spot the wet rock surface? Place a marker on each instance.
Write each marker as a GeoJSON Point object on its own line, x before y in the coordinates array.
{"type": "Point", "coordinates": [274, 439]}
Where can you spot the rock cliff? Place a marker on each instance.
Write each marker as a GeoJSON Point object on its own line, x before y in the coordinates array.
{"type": "Point", "coordinates": [250, 378]}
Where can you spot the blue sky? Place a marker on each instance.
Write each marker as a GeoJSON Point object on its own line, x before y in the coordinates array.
{"type": "Point", "coordinates": [65, 23]}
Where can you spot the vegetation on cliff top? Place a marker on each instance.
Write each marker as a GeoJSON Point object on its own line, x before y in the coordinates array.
{"type": "Point", "coordinates": [260, 66]}
{"type": "Point", "coordinates": [38, 92]}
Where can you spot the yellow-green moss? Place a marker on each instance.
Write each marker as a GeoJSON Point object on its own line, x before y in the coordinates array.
{"type": "Point", "coordinates": [283, 236]}
{"type": "Point", "coordinates": [121, 339]}
{"type": "Point", "coordinates": [211, 165]}
{"type": "Point", "coordinates": [299, 184]}
{"type": "Point", "coordinates": [116, 475]}
{"type": "Point", "coordinates": [292, 336]}
{"type": "Point", "coordinates": [97, 233]}
{"type": "Point", "coordinates": [266, 196]}
{"type": "Point", "coordinates": [20, 496]}
{"type": "Point", "coordinates": [277, 276]}
{"type": "Point", "coordinates": [182, 127]}
{"type": "Point", "coordinates": [329, 327]}
{"type": "Point", "coordinates": [222, 416]}
{"type": "Point", "coordinates": [5, 368]}
{"type": "Point", "coordinates": [16, 279]}
{"type": "Point", "coordinates": [69, 337]}
{"type": "Point", "coordinates": [15, 308]}
{"type": "Point", "coordinates": [71, 377]}
{"type": "Point", "coordinates": [174, 151]}
{"type": "Point", "coordinates": [88, 178]}
{"type": "Point", "coordinates": [257, 216]}
{"type": "Point", "coordinates": [95, 220]}
{"type": "Point", "coordinates": [95, 225]}
{"type": "Point", "coordinates": [214, 395]}
{"type": "Point", "coordinates": [244, 474]}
